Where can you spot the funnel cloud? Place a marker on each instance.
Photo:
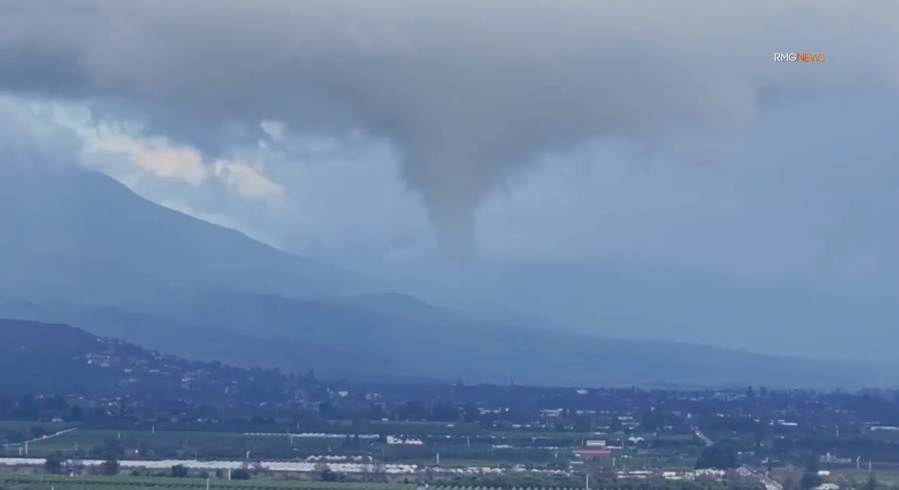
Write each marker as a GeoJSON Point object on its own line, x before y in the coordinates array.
{"type": "Point", "coordinates": [468, 91]}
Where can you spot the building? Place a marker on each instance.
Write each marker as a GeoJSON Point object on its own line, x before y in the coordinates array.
{"type": "Point", "coordinates": [590, 453]}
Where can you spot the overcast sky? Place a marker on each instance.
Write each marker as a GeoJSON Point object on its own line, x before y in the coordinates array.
{"type": "Point", "coordinates": [646, 130]}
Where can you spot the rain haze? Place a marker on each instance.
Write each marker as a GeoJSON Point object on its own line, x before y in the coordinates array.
{"type": "Point", "coordinates": [638, 170]}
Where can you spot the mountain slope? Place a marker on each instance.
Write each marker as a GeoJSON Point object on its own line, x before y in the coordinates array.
{"type": "Point", "coordinates": [55, 359]}
{"type": "Point", "coordinates": [69, 232]}
{"type": "Point", "coordinates": [358, 342]}
{"type": "Point", "coordinates": [38, 357]}
{"type": "Point", "coordinates": [206, 344]}
{"type": "Point", "coordinates": [653, 301]}
{"type": "Point", "coordinates": [84, 250]}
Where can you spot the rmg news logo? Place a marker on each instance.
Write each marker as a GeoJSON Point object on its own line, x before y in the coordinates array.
{"type": "Point", "coordinates": [798, 56]}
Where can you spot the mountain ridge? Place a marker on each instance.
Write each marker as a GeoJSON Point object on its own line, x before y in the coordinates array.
{"type": "Point", "coordinates": [63, 215]}
{"type": "Point", "coordinates": [501, 355]}
{"type": "Point", "coordinates": [83, 249]}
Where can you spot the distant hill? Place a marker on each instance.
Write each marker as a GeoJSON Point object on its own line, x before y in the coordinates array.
{"type": "Point", "coordinates": [44, 358]}
{"type": "Point", "coordinates": [78, 247]}
{"type": "Point", "coordinates": [337, 340]}
{"type": "Point", "coordinates": [436, 341]}
{"type": "Point", "coordinates": [207, 344]}
{"type": "Point", "coordinates": [678, 303]}
{"type": "Point", "coordinates": [54, 359]}
{"type": "Point", "coordinates": [624, 299]}
{"type": "Point", "coordinates": [75, 235]}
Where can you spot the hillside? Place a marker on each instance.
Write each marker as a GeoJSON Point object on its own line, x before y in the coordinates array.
{"type": "Point", "coordinates": [54, 359]}
{"type": "Point", "coordinates": [357, 343]}
{"type": "Point", "coordinates": [636, 300]}
{"type": "Point", "coordinates": [438, 342]}
{"type": "Point", "coordinates": [75, 235]}
{"type": "Point", "coordinates": [41, 358]}
{"type": "Point", "coordinates": [206, 344]}
{"type": "Point", "coordinates": [82, 249]}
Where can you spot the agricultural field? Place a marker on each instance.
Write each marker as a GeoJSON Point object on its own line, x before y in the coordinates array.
{"type": "Point", "coordinates": [13, 425]}
{"type": "Point", "coordinates": [82, 441]}
{"type": "Point", "coordinates": [42, 482]}
{"type": "Point", "coordinates": [499, 447]}
{"type": "Point", "coordinates": [37, 482]}
{"type": "Point", "coordinates": [426, 428]}
{"type": "Point", "coordinates": [46, 482]}
{"type": "Point", "coordinates": [857, 477]}
{"type": "Point", "coordinates": [13, 434]}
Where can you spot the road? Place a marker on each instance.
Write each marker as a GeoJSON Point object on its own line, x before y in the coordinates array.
{"type": "Point", "coordinates": [708, 442]}
{"type": "Point", "coordinates": [42, 438]}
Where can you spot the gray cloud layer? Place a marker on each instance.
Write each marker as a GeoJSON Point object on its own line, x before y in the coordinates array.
{"type": "Point", "coordinates": [469, 91]}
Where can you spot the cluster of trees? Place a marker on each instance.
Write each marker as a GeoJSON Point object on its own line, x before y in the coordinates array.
{"type": "Point", "coordinates": [29, 407]}
{"type": "Point", "coordinates": [111, 452]}
{"type": "Point", "coordinates": [719, 456]}
{"type": "Point", "coordinates": [810, 477]}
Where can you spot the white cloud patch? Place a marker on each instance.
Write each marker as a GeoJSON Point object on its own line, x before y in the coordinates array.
{"type": "Point", "coordinates": [154, 155]}
{"type": "Point", "coordinates": [248, 179]}
{"type": "Point", "coordinates": [157, 156]}
{"type": "Point", "coordinates": [275, 129]}
{"type": "Point", "coordinates": [293, 193]}
{"type": "Point", "coordinates": [26, 137]}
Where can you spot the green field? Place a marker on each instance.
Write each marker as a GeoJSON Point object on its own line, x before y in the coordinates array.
{"type": "Point", "coordinates": [10, 481]}
{"type": "Point", "coordinates": [80, 441]}
{"type": "Point", "coordinates": [85, 439]}
{"type": "Point", "coordinates": [887, 478]}
{"type": "Point", "coordinates": [13, 425]}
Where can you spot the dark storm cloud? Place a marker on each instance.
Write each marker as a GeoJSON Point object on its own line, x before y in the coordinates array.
{"type": "Point", "coordinates": [468, 90]}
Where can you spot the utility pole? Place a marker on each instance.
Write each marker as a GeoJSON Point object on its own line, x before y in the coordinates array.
{"type": "Point", "coordinates": [588, 481]}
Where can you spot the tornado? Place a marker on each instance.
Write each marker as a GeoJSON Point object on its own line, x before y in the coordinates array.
{"type": "Point", "coordinates": [468, 91]}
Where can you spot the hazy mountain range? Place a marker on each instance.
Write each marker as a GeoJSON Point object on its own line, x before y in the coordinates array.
{"type": "Point", "coordinates": [78, 247]}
